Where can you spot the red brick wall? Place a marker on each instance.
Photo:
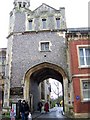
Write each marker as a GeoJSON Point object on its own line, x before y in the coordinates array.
{"type": "Point", "coordinates": [79, 106]}
{"type": "Point", "coordinates": [74, 56]}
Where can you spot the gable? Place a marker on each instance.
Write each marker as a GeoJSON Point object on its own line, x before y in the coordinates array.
{"type": "Point", "coordinates": [44, 8]}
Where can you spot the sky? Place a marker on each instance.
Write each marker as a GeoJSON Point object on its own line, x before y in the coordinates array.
{"type": "Point", "coordinates": [56, 88]}
{"type": "Point", "coordinates": [76, 14]}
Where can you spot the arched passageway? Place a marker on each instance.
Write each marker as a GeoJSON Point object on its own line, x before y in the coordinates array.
{"type": "Point", "coordinates": [36, 75]}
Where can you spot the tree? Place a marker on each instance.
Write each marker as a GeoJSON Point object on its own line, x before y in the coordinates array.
{"type": "Point", "coordinates": [57, 91]}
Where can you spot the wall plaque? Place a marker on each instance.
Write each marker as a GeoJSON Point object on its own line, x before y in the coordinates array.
{"type": "Point", "coordinates": [16, 91]}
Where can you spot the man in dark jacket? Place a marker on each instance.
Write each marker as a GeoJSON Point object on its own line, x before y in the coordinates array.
{"type": "Point", "coordinates": [40, 106]}
{"type": "Point", "coordinates": [24, 110]}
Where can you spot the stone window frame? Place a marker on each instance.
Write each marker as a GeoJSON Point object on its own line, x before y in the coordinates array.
{"type": "Point", "coordinates": [19, 4]}
{"type": "Point", "coordinates": [45, 42]}
{"type": "Point", "coordinates": [24, 4]}
{"type": "Point", "coordinates": [57, 17]}
{"type": "Point", "coordinates": [58, 22]}
{"type": "Point", "coordinates": [41, 23]}
{"type": "Point", "coordinates": [27, 24]}
{"type": "Point", "coordinates": [84, 90]}
{"type": "Point", "coordinates": [44, 23]}
{"type": "Point", "coordinates": [30, 24]}
{"type": "Point", "coordinates": [78, 47]}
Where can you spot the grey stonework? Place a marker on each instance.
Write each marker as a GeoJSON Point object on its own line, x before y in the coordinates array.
{"type": "Point", "coordinates": [26, 53]}
{"type": "Point", "coordinates": [21, 17]}
{"type": "Point", "coordinates": [19, 25]}
{"type": "Point", "coordinates": [23, 50]}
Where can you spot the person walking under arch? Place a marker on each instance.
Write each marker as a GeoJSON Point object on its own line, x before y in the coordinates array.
{"type": "Point", "coordinates": [24, 110]}
{"type": "Point", "coordinates": [46, 107]}
{"type": "Point", "coordinates": [40, 106]}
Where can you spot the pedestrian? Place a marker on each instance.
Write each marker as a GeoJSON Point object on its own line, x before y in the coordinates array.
{"type": "Point", "coordinates": [12, 114]}
{"type": "Point", "coordinates": [24, 110]}
{"type": "Point", "coordinates": [19, 105]}
{"type": "Point", "coordinates": [46, 107]}
{"type": "Point", "coordinates": [40, 106]}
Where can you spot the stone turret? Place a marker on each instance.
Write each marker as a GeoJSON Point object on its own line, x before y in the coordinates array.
{"type": "Point", "coordinates": [22, 3]}
{"type": "Point", "coordinates": [18, 16]}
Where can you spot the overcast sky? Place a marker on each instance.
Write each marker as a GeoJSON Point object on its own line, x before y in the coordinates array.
{"type": "Point", "coordinates": [76, 14]}
{"type": "Point", "coordinates": [56, 88]}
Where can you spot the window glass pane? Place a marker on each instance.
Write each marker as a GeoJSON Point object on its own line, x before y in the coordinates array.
{"type": "Point", "coordinates": [58, 22]}
{"type": "Point", "coordinates": [45, 46]}
{"type": "Point", "coordinates": [88, 60]}
{"type": "Point", "coordinates": [3, 60]}
{"type": "Point", "coordinates": [44, 23]}
{"type": "Point", "coordinates": [84, 54]}
{"type": "Point", "coordinates": [81, 52]}
{"type": "Point", "coordinates": [81, 55]}
{"type": "Point", "coordinates": [30, 24]}
{"type": "Point", "coordinates": [24, 4]}
{"type": "Point", "coordinates": [86, 89]}
{"type": "Point", "coordinates": [89, 94]}
{"type": "Point", "coordinates": [42, 46]}
{"type": "Point", "coordinates": [86, 85]}
{"type": "Point", "coordinates": [82, 61]}
{"type": "Point", "coordinates": [19, 3]}
{"type": "Point", "coordinates": [87, 52]}
{"type": "Point", "coordinates": [87, 55]}
{"type": "Point", "coordinates": [86, 94]}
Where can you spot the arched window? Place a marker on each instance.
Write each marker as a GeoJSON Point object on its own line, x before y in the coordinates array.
{"type": "Point", "coordinates": [43, 23]}
{"type": "Point", "coordinates": [24, 4]}
{"type": "Point", "coordinates": [58, 23]}
{"type": "Point", "coordinates": [19, 4]}
{"type": "Point", "coordinates": [30, 24]}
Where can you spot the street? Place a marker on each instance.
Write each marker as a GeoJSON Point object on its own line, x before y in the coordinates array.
{"type": "Point", "coordinates": [54, 113]}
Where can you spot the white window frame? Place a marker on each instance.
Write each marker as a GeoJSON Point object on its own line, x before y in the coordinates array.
{"type": "Point", "coordinates": [78, 47]}
{"type": "Point", "coordinates": [81, 89]}
{"type": "Point", "coordinates": [44, 42]}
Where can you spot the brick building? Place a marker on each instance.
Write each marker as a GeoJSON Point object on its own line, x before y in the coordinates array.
{"type": "Point", "coordinates": [79, 66]}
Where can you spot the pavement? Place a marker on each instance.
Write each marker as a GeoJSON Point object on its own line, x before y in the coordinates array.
{"type": "Point", "coordinates": [33, 115]}
{"type": "Point", "coordinates": [36, 114]}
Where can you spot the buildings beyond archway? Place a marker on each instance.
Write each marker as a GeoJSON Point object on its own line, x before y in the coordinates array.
{"type": "Point", "coordinates": [38, 49]}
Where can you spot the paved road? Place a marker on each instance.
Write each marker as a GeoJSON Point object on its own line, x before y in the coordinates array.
{"type": "Point", "coordinates": [53, 114]}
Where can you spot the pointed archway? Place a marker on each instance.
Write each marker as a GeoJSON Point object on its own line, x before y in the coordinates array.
{"type": "Point", "coordinates": [39, 73]}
